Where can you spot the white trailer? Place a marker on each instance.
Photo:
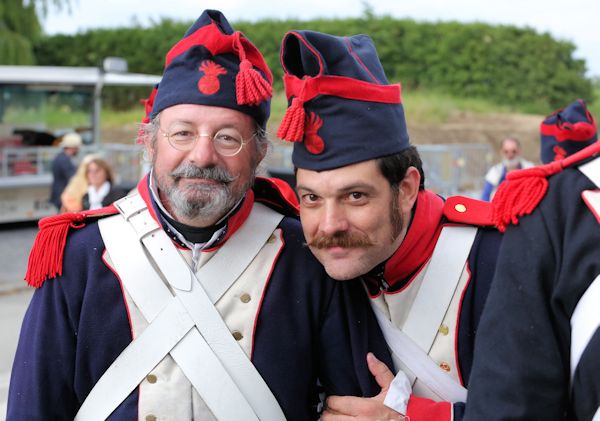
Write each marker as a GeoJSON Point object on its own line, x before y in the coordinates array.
{"type": "Point", "coordinates": [38, 104]}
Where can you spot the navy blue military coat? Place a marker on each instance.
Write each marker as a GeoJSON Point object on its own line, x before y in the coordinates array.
{"type": "Point", "coordinates": [522, 360]}
{"type": "Point", "coordinates": [309, 328]}
{"type": "Point", "coordinates": [394, 277]}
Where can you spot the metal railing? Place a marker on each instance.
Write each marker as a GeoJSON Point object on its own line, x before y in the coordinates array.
{"type": "Point", "coordinates": [36, 162]}
{"type": "Point", "coordinates": [450, 169]}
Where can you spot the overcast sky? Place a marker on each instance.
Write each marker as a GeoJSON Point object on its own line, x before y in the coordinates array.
{"type": "Point", "coordinates": [577, 21]}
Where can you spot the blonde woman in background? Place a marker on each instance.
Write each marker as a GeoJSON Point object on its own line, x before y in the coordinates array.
{"type": "Point", "coordinates": [101, 189]}
{"type": "Point", "coordinates": [77, 187]}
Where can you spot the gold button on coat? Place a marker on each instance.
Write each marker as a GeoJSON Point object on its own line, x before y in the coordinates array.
{"type": "Point", "coordinates": [443, 330]}
{"type": "Point", "coordinates": [151, 418]}
{"type": "Point", "coordinates": [460, 208]}
{"type": "Point", "coordinates": [445, 366]}
{"type": "Point", "coordinates": [271, 239]}
{"type": "Point", "coordinates": [245, 297]}
{"type": "Point", "coordinates": [237, 335]}
{"type": "Point", "coordinates": [151, 378]}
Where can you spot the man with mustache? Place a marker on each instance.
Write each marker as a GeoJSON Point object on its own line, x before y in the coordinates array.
{"type": "Point", "coordinates": [510, 149]}
{"type": "Point", "coordinates": [426, 264]}
{"type": "Point", "coordinates": [194, 297]}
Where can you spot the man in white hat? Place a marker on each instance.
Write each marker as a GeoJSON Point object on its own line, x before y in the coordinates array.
{"type": "Point", "coordinates": [63, 167]}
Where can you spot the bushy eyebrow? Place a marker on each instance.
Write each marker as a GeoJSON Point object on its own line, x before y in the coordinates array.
{"type": "Point", "coordinates": [345, 189]}
{"type": "Point", "coordinates": [193, 123]}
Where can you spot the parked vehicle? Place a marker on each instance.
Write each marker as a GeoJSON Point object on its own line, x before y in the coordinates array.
{"type": "Point", "coordinates": [39, 104]}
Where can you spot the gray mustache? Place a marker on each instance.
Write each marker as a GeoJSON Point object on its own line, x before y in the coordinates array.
{"type": "Point", "coordinates": [213, 173]}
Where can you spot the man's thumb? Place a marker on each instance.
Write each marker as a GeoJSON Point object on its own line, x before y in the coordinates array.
{"type": "Point", "coordinates": [383, 375]}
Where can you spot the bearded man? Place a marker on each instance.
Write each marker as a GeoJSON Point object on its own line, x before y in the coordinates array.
{"type": "Point", "coordinates": [510, 148]}
{"type": "Point", "coordinates": [194, 297]}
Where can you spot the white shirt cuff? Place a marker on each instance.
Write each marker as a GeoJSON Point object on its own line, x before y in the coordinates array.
{"type": "Point", "coordinates": [399, 393]}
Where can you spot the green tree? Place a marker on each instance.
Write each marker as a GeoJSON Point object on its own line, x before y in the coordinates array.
{"type": "Point", "coordinates": [20, 27]}
{"type": "Point", "coordinates": [501, 63]}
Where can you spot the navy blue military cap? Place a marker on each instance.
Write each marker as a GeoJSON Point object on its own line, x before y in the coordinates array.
{"type": "Point", "coordinates": [217, 66]}
{"type": "Point", "coordinates": [567, 131]}
{"type": "Point", "coordinates": [342, 110]}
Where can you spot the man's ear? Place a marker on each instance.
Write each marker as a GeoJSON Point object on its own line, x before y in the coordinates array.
{"type": "Point", "coordinates": [262, 151]}
{"type": "Point", "coordinates": [409, 189]}
{"type": "Point", "coordinates": [148, 148]}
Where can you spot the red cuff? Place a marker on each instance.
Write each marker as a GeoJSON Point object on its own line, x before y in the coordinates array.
{"type": "Point", "coordinates": [423, 409]}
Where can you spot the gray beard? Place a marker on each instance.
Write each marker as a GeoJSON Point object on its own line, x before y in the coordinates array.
{"type": "Point", "coordinates": [511, 163]}
{"type": "Point", "coordinates": [202, 202]}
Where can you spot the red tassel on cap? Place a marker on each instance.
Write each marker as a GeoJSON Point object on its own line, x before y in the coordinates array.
{"type": "Point", "coordinates": [250, 87]}
{"type": "Point", "coordinates": [46, 256]}
{"type": "Point", "coordinates": [292, 124]}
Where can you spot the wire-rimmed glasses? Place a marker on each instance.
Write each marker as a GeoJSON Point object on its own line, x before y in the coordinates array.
{"type": "Point", "coordinates": [227, 141]}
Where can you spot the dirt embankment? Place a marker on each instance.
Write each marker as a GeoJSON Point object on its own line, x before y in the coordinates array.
{"type": "Point", "coordinates": [463, 127]}
{"type": "Point", "coordinates": [468, 127]}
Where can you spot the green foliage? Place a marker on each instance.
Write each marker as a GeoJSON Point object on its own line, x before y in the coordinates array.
{"type": "Point", "coordinates": [507, 65]}
{"type": "Point", "coordinates": [424, 106]}
{"type": "Point", "coordinates": [595, 106]}
{"type": "Point", "coordinates": [15, 48]}
{"type": "Point", "coordinates": [19, 26]}
{"type": "Point", "coordinates": [20, 17]}
{"type": "Point", "coordinates": [110, 118]}
{"type": "Point", "coordinates": [143, 48]}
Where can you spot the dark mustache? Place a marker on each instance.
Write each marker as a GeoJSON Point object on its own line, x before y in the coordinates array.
{"type": "Point", "coordinates": [212, 173]}
{"type": "Point", "coordinates": [340, 239]}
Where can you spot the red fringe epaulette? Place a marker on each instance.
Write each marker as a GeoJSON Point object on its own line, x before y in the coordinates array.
{"type": "Point", "coordinates": [466, 210]}
{"type": "Point", "coordinates": [46, 256]}
{"type": "Point", "coordinates": [523, 190]}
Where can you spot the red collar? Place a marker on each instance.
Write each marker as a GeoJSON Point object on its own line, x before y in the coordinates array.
{"type": "Point", "coordinates": [420, 240]}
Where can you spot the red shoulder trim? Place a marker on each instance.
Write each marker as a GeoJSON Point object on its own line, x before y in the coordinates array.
{"type": "Point", "coordinates": [466, 210]}
{"type": "Point", "coordinates": [46, 256]}
{"type": "Point", "coordinates": [523, 190]}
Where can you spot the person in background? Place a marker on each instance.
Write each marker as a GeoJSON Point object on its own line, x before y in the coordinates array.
{"type": "Point", "coordinates": [194, 297]}
{"type": "Point", "coordinates": [72, 196]}
{"type": "Point", "coordinates": [510, 148]}
{"type": "Point", "coordinates": [567, 131]}
{"type": "Point", "coordinates": [101, 190]}
{"type": "Point", "coordinates": [536, 353]}
{"type": "Point", "coordinates": [63, 167]}
{"type": "Point", "coordinates": [426, 265]}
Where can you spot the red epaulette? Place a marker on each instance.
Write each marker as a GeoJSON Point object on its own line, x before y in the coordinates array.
{"type": "Point", "coordinates": [46, 256]}
{"type": "Point", "coordinates": [523, 190]}
{"type": "Point", "coordinates": [466, 210]}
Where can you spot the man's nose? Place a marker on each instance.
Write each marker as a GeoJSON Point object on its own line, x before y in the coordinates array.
{"type": "Point", "coordinates": [333, 219]}
{"type": "Point", "coordinates": [204, 153]}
